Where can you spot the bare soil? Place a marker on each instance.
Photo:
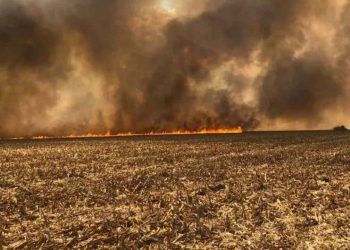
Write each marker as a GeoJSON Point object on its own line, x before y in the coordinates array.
{"type": "Point", "coordinates": [252, 191]}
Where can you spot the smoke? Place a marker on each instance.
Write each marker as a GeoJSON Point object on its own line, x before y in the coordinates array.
{"type": "Point", "coordinates": [92, 66]}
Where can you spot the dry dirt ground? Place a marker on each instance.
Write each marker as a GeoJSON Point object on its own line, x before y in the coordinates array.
{"type": "Point", "coordinates": [250, 191]}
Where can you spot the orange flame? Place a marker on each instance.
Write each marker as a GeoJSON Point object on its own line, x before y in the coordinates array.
{"type": "Point", "coordinates": [237, 130]}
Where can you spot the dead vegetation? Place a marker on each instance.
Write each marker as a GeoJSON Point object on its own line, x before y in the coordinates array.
{"type": "Point", "coordinates": [264, 190]}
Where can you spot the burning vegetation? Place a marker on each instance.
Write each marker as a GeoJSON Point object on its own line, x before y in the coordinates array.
{"type": "Point", "coordinates": [238, 130]}
{"type": "Point", "coordinates": [74, 67]}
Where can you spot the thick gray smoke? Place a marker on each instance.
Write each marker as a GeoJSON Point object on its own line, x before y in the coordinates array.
{"type": "Point", "coordinates": [92, 66]}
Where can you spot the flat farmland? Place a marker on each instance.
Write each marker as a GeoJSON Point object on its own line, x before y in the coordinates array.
{"type": "Point", "coordinates": [252, 191]}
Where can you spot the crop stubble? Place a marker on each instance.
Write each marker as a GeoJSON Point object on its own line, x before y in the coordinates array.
{"type": "Point", "coordinates": [255, 190]}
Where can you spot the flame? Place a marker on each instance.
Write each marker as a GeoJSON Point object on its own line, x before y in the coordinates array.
{"type": "Point", "coordinates": [237, 130]}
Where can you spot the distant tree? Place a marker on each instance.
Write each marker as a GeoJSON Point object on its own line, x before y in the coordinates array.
{"type": "Point", "coordinates": [340, 129]}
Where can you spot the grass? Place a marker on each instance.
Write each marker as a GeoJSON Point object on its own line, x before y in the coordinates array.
{"type": "Point", "coordinates": [255, 190]}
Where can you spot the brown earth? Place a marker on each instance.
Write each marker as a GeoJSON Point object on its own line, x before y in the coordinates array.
{"type": "Point", "coordinates": [255, 190]}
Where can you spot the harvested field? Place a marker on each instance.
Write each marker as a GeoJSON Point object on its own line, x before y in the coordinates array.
{"type": "Point", "coordinates": [255, 190]}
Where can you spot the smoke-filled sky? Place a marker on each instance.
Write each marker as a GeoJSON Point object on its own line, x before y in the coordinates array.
{"type": "Point", "coordinates": [93, 66]}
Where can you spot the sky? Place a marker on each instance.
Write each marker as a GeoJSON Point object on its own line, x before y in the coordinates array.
{"type": "Point", "coordinates": [73, 67]}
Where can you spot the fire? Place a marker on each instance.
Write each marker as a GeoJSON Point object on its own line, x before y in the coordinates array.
{"type": "Point", "coordinates": [237, 130]}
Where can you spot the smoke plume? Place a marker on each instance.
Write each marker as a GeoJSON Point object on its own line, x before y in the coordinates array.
{"type": "Point", "coordinates": [93, 66]}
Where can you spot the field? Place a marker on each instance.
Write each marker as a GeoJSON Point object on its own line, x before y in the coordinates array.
{"type": "Point", "coordinates": [253, 191]}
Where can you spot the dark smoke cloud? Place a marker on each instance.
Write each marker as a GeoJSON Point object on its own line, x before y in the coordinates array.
{"type": "Point", "coordinates": [27, 68]}
{"type": "Point", "coordinates": [92, 66]}
{"type": "Point", "coordinates": [343, 40]}
{"type": "Point", "coordinates": [301, 86]}
{"type": "Point", "coordinates": [297, 88]}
